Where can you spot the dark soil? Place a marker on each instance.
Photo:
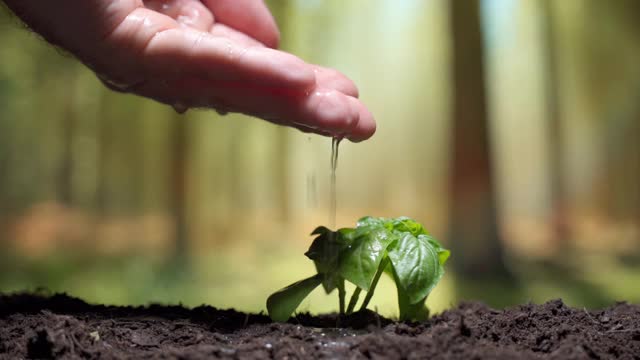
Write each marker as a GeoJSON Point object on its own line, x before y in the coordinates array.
{"type": "Point", "coordinates": [59, 326]}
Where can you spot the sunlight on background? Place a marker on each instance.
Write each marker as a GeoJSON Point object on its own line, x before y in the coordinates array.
{"type": "Point", "coordinates": [88, 203]}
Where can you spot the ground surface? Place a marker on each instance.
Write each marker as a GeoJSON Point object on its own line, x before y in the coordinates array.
{"type": "Point", "coordinates": [64, 327]}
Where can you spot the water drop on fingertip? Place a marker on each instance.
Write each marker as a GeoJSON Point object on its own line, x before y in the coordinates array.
{"type": "Point", "coordinates": [230, 49]}
{"type": "Point", "coordinates": [115, 84]}
{"type": "Point", "coordinates": [180, 108]}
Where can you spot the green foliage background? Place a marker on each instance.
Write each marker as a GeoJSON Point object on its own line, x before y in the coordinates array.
{"type": "Point", "coordinates": [90, 194]}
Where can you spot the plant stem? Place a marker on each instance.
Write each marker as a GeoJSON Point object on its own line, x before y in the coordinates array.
{"type": "Point", "coordinates": [341, 295]}
{"type": "Point", "coordinates": [383, 264]}
{"type": "Point", "coordinates": [353, 300]}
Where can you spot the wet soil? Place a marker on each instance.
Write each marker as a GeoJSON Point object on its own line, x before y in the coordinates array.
{"type": "Point", "coordinates": [59, 326]}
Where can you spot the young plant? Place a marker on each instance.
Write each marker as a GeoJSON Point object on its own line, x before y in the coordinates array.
{"type": "Point", "coordinates": [400, 247]}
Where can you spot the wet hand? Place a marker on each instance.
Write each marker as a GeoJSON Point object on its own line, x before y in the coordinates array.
{"type": "Point", "coordinates": [211, 53]}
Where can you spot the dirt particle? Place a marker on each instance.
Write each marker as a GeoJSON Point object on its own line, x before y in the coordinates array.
{"type": "Point", "coordinates": [464, 329]}
{"type": "Point", "coordinates": [40, 346]}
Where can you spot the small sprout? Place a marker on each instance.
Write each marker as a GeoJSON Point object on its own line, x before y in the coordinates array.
{"type": "Point", "coordinates": [400, 247]}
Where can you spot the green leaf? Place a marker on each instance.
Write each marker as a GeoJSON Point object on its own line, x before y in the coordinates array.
{"type": "Point", "coordinates": [416, 263]}
{"type": "Point", "coordinates": [369, 221]}
{"type": "Point", "coordinates": [321, 230]}
{"type": "Point", "coordinates": [443, 255]}
{"type": "Point", "coordinates": [346, 235]}
{"type": "Point", "coordinates": [360, 260]}
{"type": "Point", "coordinates": [436, 243]}
{"type": "Point", "coordinates": [325, 252]}
{"type": "Point", "coordinates": [327, 247]}
{"type": "Point", "coordinates": [405, 224]}
{"type": "Point", "coordinates": [284, 302]}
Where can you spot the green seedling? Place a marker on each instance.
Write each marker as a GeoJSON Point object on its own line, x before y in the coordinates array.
{"type": "Point", "coordinates": [400, 247]}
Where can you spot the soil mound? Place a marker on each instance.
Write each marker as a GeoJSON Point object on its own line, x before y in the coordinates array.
{"type": "Point", "coordinates": [60, 326]}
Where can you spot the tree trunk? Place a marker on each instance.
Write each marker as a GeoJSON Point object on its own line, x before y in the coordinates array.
{"type": "Point", "coordinates": [64, 175]}
{"type": "Point", "coordinates": [105, 148]}
{"type": "Point", "coordinates": [178, 177]}
{"type": "Point", "coordinates": [559, 205]}
{"type": "Point", "coordinates": [474, 236]}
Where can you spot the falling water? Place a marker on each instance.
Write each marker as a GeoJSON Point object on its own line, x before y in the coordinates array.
{"type": "Point", "coordinates": [335, 142]}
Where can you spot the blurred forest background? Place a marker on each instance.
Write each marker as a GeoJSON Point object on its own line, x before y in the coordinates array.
{"type": "Point", "coordinates": [509, 128]}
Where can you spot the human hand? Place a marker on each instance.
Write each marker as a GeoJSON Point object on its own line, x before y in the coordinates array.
{"type": "Point", "coordinates": [201, 53]}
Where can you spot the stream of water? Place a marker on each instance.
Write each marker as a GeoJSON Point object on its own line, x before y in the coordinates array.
{"type": "Point", "coordinates": [335, 142]}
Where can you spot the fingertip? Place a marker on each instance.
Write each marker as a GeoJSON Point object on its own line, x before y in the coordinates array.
{"type": "Point", "coordinates": [366, 126]}
{"type": "Point", "coordinates": [272, 38]}
{"type": "Point", "coordinates": [269, 33]}
{"type": "Point", "coordinates": [332, 112]}
{"type": "Point", "coordinates": [354, 104]}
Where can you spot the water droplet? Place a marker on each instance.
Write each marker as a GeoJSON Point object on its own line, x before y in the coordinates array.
{"type": "Point", "coordinates": [228, 351]}
{"type": "Point", "coordinates": [305, 126]}
{"type": "Point", "coordinates": [230, 49]}
{"type": "Point", "coordinates": [186, 21]}
{"type": "Point", "coordinates": [180, 108]}
{"type": "Point", "coordinates": [115, 84]}
{"type": "Point", "coordinates": [268, 346]}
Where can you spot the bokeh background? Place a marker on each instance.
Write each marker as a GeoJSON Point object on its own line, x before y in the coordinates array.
{"type": "Point", "coordinates": [509, 128]}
